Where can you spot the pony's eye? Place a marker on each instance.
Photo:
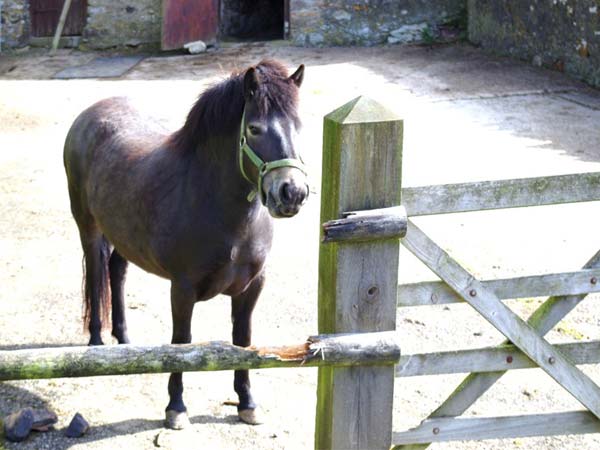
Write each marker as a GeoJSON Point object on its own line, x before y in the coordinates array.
{"type": "Point", "coordinates": [254, 130]}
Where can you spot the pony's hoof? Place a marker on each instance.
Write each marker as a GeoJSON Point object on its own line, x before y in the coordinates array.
{"type": "Point", "coordinates": [176, 420]}
{"type": "Point", "coordinates": [123, 340]}
{"type": "Point", "coordinates": [250, 416]}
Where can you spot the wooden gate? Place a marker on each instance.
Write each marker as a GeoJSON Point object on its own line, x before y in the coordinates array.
{"type": "Point", "coordinates": [45, 15]}
{"type": "Point", "coordinates": [525, 346]}
{"type": "Point", "coordinates": [187, 21]}
{"type": "Point", "coordinates": [354, 405]}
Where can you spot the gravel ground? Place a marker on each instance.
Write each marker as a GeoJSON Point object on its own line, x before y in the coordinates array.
{"type": "Point", "coordinates": [468, 117]}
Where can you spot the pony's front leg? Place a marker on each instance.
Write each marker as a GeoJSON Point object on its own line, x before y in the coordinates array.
{"type": "Point", "coordinates": [182, 306]}
{"type": "Point", "coordinates": [241, 315]}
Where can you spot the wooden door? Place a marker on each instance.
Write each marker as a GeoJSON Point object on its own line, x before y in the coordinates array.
{"type": "Point", "coordinates": [187, 21]}
{"type": "Point", "coordinates": [45, 15]}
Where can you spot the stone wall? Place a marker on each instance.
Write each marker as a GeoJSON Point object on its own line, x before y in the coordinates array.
{"type": "Point", "coordinates": [368, 22]}
{"type": "Point", "coordinates": [560, 34]}
{"type": "Point", "coordinates": [14, 31]}
{"type": "Point", "coordinates": [118, 23]}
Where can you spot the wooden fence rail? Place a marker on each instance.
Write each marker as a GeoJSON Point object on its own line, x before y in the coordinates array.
{"type": "Point", "coordinates": [465, 429]}
{"type": "Point", "coordinates": [324, 350]}
{"type": "Point", "coordinates": [429, 293]}
{"type": "Point", "coordinates": [486, 195]}
{"type": "Point", "coordinates": [488, 359]}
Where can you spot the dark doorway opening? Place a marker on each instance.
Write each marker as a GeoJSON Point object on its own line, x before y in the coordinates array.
{"type": "Point", "coordinates": [254, 20]}
{"type": "Point", "coordinates": [45, 15]}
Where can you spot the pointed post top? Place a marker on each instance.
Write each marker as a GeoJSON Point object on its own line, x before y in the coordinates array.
{"type": "Point", "coordinates": [360, 110]}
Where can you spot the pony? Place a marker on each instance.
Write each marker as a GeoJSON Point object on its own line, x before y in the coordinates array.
{"type": "Point", "coordinates": [195, 206]}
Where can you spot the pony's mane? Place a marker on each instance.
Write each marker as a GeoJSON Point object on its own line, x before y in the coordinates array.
{"type": "Point", "coordinates": [218, 110]}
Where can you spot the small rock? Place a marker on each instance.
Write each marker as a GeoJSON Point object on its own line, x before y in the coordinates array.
{"type": "Point", "coordinates": [17, 426]}
{"type": "Point", "coordinates": [43, 419]}
{"type": "Point", "coordinates": [342, 15]}
{"type": "Point", "coordinates": [78, 426]}
{"type": "Point", "coordinates": [195, 47]}
{"type": "Point", "coordinates": [537, 61]}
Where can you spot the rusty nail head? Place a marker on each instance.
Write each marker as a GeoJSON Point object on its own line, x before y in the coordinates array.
{"type": "Point", "coordinates": [509, 359]}
{"type": "Point", "coordinates": [551, 360]}
{"type": "Point", "coordinates": [473, 293]}
{"type": "Point", "coordinates": [593, 280]}
{"type": "Point", "coordinates": [436, 430]}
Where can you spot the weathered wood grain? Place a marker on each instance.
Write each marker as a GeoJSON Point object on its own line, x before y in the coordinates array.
{"type": "Point", "coordinates": [370, 225]}
{"type": "Point", "coordinates": [484, 195]}
{"type": "Point", "coordinates": [488, 359]}
{"type": "Point", "coordinates": [548, 358]}
{"type": "Point", "coordinates": [325, 350]}
{"type": "Point", "coordinates": [464, 429]}
{"type": "Point", "coordinates": [362, 145]}
{"type": "Point", "coordinates": [543, 319]}
{"type": "Point", "coordinates": [568, 283]}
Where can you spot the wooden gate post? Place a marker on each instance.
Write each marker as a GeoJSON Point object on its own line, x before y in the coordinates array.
{"type": "Point", "coordinates": [358, 282]}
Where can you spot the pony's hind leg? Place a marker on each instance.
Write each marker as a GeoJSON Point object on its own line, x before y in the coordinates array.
{"type": "Point", "coordinates": [117, 266]}
{"type": "Point", "coordinates": [96, 291]}
{"type": "Point", "coordinates": [241, 315]}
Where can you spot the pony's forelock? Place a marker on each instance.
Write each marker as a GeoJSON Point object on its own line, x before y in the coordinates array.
{"type": "Point", "coordinates": [218, 110]}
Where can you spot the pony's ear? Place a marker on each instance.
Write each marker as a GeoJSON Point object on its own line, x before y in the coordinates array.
{"type": "Point", "coordinates": [250, 82]}
{"type": "Point", "coordinates": [298, 76]}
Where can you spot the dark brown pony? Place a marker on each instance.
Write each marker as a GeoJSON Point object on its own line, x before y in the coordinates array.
{"type": "Point", "coordinates": [184, 206]}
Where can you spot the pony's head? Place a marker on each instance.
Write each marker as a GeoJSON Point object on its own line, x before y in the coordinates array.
{"type": "Point", "coordinates": [268, 156]}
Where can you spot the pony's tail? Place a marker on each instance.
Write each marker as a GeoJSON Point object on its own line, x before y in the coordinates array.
{"type": "Point", "coordinates": [96, 282]}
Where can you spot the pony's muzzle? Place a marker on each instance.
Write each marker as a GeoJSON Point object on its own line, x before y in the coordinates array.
{"type": "Point", "coordinates": [286, 190]}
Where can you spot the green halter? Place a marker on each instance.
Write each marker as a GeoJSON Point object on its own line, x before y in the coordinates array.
{"type": "Point", "coordinates": [263, 167]}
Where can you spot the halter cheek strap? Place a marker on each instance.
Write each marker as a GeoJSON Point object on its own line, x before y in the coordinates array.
{"type": "Point", "coordinates": [263, 167]}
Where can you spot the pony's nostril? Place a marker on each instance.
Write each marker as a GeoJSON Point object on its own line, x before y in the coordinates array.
{"type": "Point", "coordinates": [304, 194]}
{"type": "Point", "coordinates": [292, 195]}
{"type": "Point", "coordinates": [285, 194]}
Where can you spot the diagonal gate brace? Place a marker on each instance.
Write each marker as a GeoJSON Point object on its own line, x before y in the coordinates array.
{"type": "Point", "coordinates": [521, 334]}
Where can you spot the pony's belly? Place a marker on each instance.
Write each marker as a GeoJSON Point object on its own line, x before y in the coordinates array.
{"type": "Point", "coordinates": [144, 262]}
{"type": "Point", "coordinates": [232, 280]}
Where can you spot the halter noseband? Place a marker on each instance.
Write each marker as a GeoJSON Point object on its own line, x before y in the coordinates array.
{"type": "Point", "coordinates": [263, 167]}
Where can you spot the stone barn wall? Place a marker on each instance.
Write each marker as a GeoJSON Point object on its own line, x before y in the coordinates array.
{"type": "Point", "coordinates": [368, 22]}
{"type": "Point", "coordinates": [118, 23]}
{"type": "Point", "coordinates": [15, 23]}
{"type": "Point", "coordinates": [560, 34]}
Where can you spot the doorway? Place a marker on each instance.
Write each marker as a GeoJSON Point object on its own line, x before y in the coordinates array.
{"type": "Point", "coordinates": [45, 15]}
{"type": "Point", "coordinates": [257, 20]}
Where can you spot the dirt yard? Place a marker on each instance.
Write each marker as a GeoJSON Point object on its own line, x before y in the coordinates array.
{"type": "Point", "coordinates": [467, 117]}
